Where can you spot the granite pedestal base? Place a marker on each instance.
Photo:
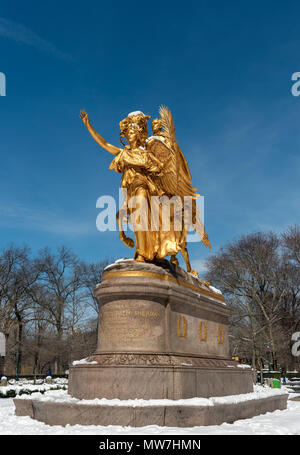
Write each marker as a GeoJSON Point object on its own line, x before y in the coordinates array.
{"type": "Point", "coordinates": [55, 413]}
{"type": "Point", "coordinates": [163, 334]}
{"type": "Point", "coordinates": [172, 377]}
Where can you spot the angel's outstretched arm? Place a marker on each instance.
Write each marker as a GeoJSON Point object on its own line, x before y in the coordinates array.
{"type": "Point", "coordinates": [99, 139]}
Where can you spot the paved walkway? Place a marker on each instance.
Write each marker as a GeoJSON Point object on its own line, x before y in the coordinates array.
{"type": "Point", "coordinates": [293, 387]}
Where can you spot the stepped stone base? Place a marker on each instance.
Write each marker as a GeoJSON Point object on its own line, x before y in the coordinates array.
{"type": "Point", "coordinates": [55, 413]}
{"type": "Point", "coordinates": [158, 377]}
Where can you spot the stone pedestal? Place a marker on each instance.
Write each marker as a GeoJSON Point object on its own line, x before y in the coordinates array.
{"type": "Point", "coordinates": [162, 333]}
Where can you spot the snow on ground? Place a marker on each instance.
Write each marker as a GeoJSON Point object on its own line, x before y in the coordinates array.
{"type": "Point", "coordinates": [285, 422]}
{"type": "Point", "coordinates": [62, 396]}
{"type": "Point", "coordinates": [28, 385]}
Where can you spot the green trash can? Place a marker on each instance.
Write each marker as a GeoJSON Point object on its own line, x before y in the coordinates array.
{"type": "Point", "coordinates": [276, 384]}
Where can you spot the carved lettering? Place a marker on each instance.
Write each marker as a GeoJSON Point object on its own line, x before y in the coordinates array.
{"type": "Point", "coordinates": [127, 325]}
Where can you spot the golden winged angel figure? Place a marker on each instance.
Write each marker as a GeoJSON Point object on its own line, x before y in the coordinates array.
{"type": "Point", "coordinates": [153, 169]}
{"type": "Point", "coordinates": [175, 181]}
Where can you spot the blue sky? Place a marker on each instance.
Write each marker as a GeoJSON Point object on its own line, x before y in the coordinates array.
{"type": "Point", "coordinates": [223, 68]}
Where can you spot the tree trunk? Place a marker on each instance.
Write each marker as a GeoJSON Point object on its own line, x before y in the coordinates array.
{"type": "Point", "coordinates": [35, 367]}
{"type": "Point", "coordinates": [19, 348]}
{"type": "Point", "coordinates": [253, 350]}
{"type": "Point", "coordinates": [274, 354]}
{"type": "Point", "coordinates": [254, 365]}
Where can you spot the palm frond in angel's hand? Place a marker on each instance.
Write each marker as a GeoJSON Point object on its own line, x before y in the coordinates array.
{"type": "Point", "coordinates": [167, 122]}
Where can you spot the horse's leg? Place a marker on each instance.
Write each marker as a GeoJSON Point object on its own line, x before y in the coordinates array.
{"type": "Point", "coordinates": [185, 255]}
{"type": "Point", "coordinates": [126, 240]}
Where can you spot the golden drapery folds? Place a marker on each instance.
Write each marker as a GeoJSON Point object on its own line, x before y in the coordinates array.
{"type": "Point", "coordinates": [153, 170]}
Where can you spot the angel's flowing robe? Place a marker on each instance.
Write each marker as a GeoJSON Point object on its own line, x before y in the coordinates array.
{"type": "Point", "coordinates": [139, 168]}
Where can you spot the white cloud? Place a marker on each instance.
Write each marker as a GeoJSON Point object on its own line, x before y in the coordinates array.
{"type": "Point", "coordinates": [17, 32]}
{"type": "Point", "coordinates": [28, 218]}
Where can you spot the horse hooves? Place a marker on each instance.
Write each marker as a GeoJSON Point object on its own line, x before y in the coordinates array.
{"type": "Point", "coordinates": [174, 261]}
{"type": "Point", "coordinates": [194, 273]}
{"type": "Point", "coordinates": [139, 258]}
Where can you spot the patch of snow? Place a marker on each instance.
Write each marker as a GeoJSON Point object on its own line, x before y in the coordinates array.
{"type": "Point", "coordinates": [159, 138]}
{"type": "Point", "coordinates": [27, 383]}
{"type": "Point", "coordinates": [242, 365]}
{"type": "Point", "coordinates": [123, 260]}
{"type": "Point", "coordinates": [285, 422]}
{"type": "Point", "coordinates": [194, 276]}
{"type": "Point", "coordinates": [217, 291]}
{"type": "Point", "coordinates": [62, 396]}
{"type": "Point", "coordinates": [37, 388]}
{"type": "Point", "coordinates": [83, 362]}
{"type": "Point", "coordinates": [116, 262]}
{"type": "Point", "coordinates": [211, 298]}
{"type": "Point", "coordinates": [135, 113]}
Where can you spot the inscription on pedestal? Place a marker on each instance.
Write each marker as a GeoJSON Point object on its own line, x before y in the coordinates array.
{"type": "Point", "coordinates": [151, 308]}
{"type": "Point", "coordinates": [132, 325]}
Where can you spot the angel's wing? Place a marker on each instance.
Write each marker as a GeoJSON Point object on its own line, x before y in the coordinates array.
{"type": "Point", "coordinates": [200, 230]}
{"type": "Point", "coordinates": [176, 177]}
{"type": "Point", "coordinates": [167, 180]}
{"type": "Point", "coordinates": [184, 178]}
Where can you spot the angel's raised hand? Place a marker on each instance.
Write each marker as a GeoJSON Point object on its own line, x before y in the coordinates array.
{"type": "Point", "coordinates": [84, 117]}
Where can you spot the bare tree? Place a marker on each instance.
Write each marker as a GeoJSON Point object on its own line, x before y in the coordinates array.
{"type": "Point", "coordinates": [90, 276]}
{"type": "Point", "coordinates": [290, 322]}
{"type": "Point", "coordinates": [37, 332]}
{"type": "Point", "coordinates": [291, 244]}
{"type": "Point", "coordinates": [17, 275]}
{"type": "Point", "coordinates": [249, 274]}
{"type": "Point", "coordinates": [60, 287]}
